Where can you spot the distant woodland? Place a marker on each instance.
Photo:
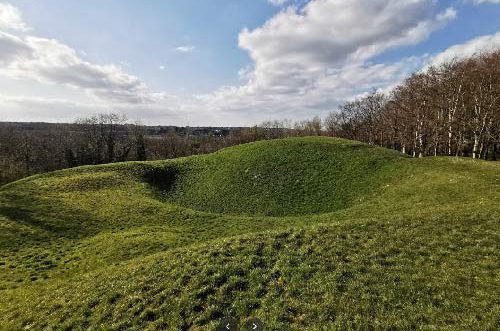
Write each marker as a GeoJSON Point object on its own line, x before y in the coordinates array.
{"type": "Point", "coordinates": [31, 148]}
{"type": "Point", "coordinates": [452, 110]}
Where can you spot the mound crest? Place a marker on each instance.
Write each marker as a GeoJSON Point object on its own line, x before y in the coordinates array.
{"type": "Point", "coordinates": [295, 176]}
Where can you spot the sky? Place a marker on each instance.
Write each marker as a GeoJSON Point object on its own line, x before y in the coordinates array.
{"type": "Point", "coordinates": [222, 62]}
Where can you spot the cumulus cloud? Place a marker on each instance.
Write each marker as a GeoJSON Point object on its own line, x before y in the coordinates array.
{"type": "Point", "coordinates": [329, 33]}
{"type": "Point", "coordinates": [50, 61]}
{"type": "Point", "coordinates": [47, 60]}
{"type": "Point", "coordinates": [472, 47]}
{"type": "Point", "coordinates": [248, 104]}
{"type": "Point", "coordinates": [10, 18]}
{"type": "Point", "coordinates": [12, 48]}
{"type": "Point", "coordinates": [308, 60]}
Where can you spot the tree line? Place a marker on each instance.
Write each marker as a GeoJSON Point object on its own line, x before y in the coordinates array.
{"type": "Point", "coordinates": [31, 148]}
{"type": "Point", "coordinates": [449, 109]}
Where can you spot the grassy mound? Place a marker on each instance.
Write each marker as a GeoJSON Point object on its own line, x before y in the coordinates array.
{"type": "Point", "coordinates": [389, 242]}
{"type": "Point", "coordinates": [278, 178]}
{"type": "Point", "coordinates": [334, 277]}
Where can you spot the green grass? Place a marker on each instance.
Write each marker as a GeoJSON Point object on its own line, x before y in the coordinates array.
{"type": "Point", "coordinates": [305, 233]}
{"type": "Point", "coordinates": [283, 178]}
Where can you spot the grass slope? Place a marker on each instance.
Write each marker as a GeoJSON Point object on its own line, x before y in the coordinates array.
{"type": "Point", "coordinates": [343, 236]}
{"type": "Point", "coordinates": [282, 178]}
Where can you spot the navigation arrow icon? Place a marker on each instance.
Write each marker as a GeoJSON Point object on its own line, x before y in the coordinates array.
{"type": "Point", "coordinates": [254, 324]}
{"type": "Point", "coordinates": [228, 324]}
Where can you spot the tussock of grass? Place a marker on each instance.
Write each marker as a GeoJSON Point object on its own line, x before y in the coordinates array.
{"type": "Point", "coordinates": [366, 238]}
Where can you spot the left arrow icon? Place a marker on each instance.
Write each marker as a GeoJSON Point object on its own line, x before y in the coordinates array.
{"type": "Point", "coordinates": [228, 324]}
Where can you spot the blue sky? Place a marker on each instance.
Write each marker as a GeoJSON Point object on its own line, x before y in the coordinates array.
{"type": "Point", "coordinates": [222, 62]}
{"type": "Point", "coordinates": [471, 21]}
{"type": "Point", "coordinates": [144, 34]}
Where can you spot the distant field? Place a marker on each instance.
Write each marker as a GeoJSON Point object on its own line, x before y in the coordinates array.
{"type": "Point", "coordinates": [304, 233]}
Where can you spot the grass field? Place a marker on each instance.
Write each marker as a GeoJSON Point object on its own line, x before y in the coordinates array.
{"type": "Point", "coordinates": [304, 233]}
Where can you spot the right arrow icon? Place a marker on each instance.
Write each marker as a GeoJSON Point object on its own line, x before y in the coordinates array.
{"type": "Point", "coordinates": [254, 324]}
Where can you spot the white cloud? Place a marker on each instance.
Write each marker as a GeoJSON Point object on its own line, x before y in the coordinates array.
{"type": "Point", "coordinates": [297, 46]}
{"type": "Point", "coordinates": [250, 105]}
{"type": "Point", "coordinates": [12, 48]}
{"type": "Point", "coordinates": [10, 18]}
{"type": "Point", "coordinates": [305, 62]}
{"type": "Point", "coordinates": [24, 56]}
{"type": "Point", "coordinates": [327, 32]}
{"type": "Point", "coordinates": [162, 67]}
{"type": "Point", "coordinates": [469, 48]}
{"type": "Point", "coordinates": [277, 2]}
{"type": "Point", "coordinates": [485, 1]}
{"type": "Point", "coordinates": [185, 49]}
{"type": "Point", "coordinates": [168, 110]}
{"type": "Point", "coordinates": [49, 61]}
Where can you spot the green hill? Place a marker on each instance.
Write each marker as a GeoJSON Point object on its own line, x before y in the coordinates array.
{"type": "Point", "coordinates": [305, 233]}
{"type": "Point", "coordinates": [277, 178]}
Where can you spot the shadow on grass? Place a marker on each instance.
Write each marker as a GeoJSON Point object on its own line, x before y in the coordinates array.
{"type": "Point", "coordinates": [162, 179]}
{"type": "Point", "coordinates": [43, 215]}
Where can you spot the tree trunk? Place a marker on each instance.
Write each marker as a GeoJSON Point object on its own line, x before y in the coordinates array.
{"type": "Point", "coordinates": [450, 138]}
{"type": "Point", "coordinates": [475, 149]}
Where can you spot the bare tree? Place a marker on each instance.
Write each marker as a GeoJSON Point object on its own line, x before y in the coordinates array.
{"type": "Point", "coordinates": [450, 109]}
